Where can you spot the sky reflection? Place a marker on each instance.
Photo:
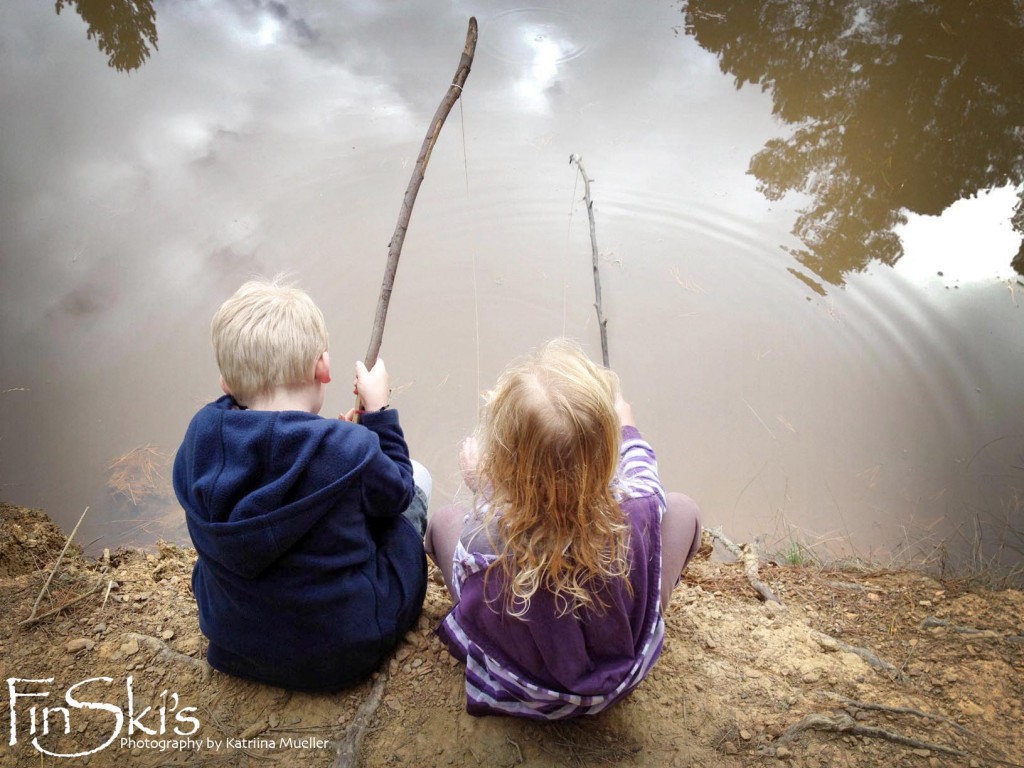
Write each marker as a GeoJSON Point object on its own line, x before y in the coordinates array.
{"type": "Point", "coordinates": [264, 138]}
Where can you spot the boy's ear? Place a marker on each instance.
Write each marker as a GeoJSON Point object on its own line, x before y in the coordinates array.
{"type": "Point", "coordinates": [322, 374]}
{"type": "Point", "coordinates": [224, 386]}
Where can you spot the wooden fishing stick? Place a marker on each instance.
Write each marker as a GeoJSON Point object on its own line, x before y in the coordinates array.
{"type": "Point", "coordinates": [418, 171]}
{"type": "Point", "coordinates": [602, 321]}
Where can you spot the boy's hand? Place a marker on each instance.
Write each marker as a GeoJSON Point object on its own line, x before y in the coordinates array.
{"type": "Point", "coordinates": [624, 411]}
{"type": "Point", "coordinates": [373, 386]}
{"type": "Point", "coordinates": [469, 457]}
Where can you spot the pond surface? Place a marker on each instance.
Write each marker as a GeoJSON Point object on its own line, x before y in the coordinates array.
{"type": "Point", "coordinates": [805, 221]}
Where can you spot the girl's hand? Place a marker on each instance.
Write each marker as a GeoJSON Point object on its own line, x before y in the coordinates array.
{"type": "Point", "coordinates": [469, 457]}
{"type": "Point", "coordinates": [352, 415]}
{"type": "Point", "coordinates": [624, 411]}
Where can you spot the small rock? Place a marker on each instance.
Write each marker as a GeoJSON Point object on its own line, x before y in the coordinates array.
{"type": "Point", "coordinates": [403, 653]}
{"type": "Point", "coordinates": [99, 628]}
{"type": "Point", "coordinates": [130, 647]}
{"type": "Point", "coordinates": [79, 644]}
{"type": "Point", "coordinates": [782, 753]}
{"type": "Point", "coordinates": [811, 676]}
{"type": "Point", "coordinates": [874, 597]}
{"type": "Point", "coordinates": [729, 748]}
{"type": "Point", "coordinates": [826, 642]}
{"type": "Point", "coordinates": [273, 720]}
{"type": "Point", "coordinates": [922, 752]}
{"type": "Point", "coordinates": [167, 634]}
{"type": "Point", "coordinates": [745, 734]}
{"type": "Point", "coordinates": [970, 709]}
{"type": "Point", "coordinates": [254, 730]}
{"type": "Point", "coordinates": [416, 663]}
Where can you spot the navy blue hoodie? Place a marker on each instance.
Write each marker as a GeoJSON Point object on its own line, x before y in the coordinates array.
{"type": "Point", "coordinates": [307, 575]}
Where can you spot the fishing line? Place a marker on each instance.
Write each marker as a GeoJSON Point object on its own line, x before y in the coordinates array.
{"type": "Point", "coordinates": [476, 293]}
{"type": "Point", "coordinates": [565, 256]}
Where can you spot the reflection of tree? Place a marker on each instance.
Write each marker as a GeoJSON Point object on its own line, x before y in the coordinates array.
{"type": "Point", "coordinates": [896, 106]}
{"type": "Point", "coordinates": [124, 29]}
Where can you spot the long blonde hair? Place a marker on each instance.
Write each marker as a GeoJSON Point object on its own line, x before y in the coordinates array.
{"type": "Point", "coordinates": [549, 447]}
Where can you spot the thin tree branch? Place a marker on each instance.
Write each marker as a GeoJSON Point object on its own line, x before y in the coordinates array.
{"type": "Point", "coordinates": [56, 565]}
{"type": "Point", "coordinates": [602, 321]}
{"type": "Point", "coordinates": [398, 238]}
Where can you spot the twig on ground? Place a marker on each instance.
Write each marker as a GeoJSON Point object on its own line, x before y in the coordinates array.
{"type": "Point", "coordinates": [748, 556]}
{"type": "Point", "coordinates": [33, 619]}
{"type": "Point", "coordinates": [515, 746]}
{"type": "Point", "coordinates": [110, 585]}
{"type": "Point", "coordinates": [602, 321]}
{"type": "Point", "coordinates": [56, 565]}
{"type": "Point", "coordinates": [347, 751]}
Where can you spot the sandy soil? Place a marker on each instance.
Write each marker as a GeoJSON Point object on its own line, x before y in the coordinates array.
{"type": "Point", "coordinates": [858, 669]}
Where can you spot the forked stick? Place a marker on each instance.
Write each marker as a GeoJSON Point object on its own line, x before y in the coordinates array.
{"type": "Point", "coordinates": [418, 171]}
{"type": "Point", "coordinates": [56, 565]}
{"type": "Point", "coordinates": [602, 321]}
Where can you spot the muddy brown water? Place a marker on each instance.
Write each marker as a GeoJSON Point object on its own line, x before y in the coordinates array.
{"type": "Point", "coordinates": [822, 347]}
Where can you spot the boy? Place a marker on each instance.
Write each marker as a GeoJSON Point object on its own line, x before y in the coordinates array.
{"type": "Point", "coordinates": [309, 530]}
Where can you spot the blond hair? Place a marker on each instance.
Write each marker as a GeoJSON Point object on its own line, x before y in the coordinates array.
{"type": "Point", "coordinates": [267, 336]}
{"type": "Point", "coordinates": [549, 447]}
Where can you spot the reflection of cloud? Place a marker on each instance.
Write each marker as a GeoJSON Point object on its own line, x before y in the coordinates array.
{"type": "Point", "coordinates": [972, 240]}
{"type": "Point", "coordinates": [269, 23]}
{"type": "Point", "coordinates": [542, 67]}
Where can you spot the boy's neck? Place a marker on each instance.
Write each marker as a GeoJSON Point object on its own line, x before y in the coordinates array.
{"type": "Point", "coordinates": [306, 397]}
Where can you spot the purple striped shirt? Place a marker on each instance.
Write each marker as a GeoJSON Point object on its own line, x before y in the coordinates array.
{"type": "Point", "coordinates": [547, 666]}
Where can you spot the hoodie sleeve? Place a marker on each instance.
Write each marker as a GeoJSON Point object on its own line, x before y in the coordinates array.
{"type": "Point", "coordinates": [387, 484]}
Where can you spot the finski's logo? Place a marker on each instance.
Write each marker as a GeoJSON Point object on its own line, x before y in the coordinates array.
{"type": "Point", "coordinates": [167, 719]}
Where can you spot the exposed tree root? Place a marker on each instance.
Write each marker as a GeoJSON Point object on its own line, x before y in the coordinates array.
{"type": "Point", "coordinates": [916, 713]}
{"type": "Point", "coordinates": [867, 654]}
{"type": "Point", "coordinates": [748, 556]}
{"type": "Point", "coordinates": [975, 633]}
{"type": "Point", "coordinates": [846, 724]}
{"type": "Point", "coordinates": [346, 752]}
{"type": "Point", "coordinates": [164, 653]}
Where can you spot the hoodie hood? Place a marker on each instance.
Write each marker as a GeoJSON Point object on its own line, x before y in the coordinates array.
{"type": "Point", "coordinates": [253, 483]}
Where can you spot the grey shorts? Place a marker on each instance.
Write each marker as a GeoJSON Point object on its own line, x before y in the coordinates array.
{"type": "Point", "coordinates": [416, 512]}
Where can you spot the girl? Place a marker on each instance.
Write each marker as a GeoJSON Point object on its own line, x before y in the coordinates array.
{"type": "Point", "coordinates": [561, 571]}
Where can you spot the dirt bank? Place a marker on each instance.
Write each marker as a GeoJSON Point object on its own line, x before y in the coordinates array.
{"type": "Point", "coordinates": [859, 669]}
